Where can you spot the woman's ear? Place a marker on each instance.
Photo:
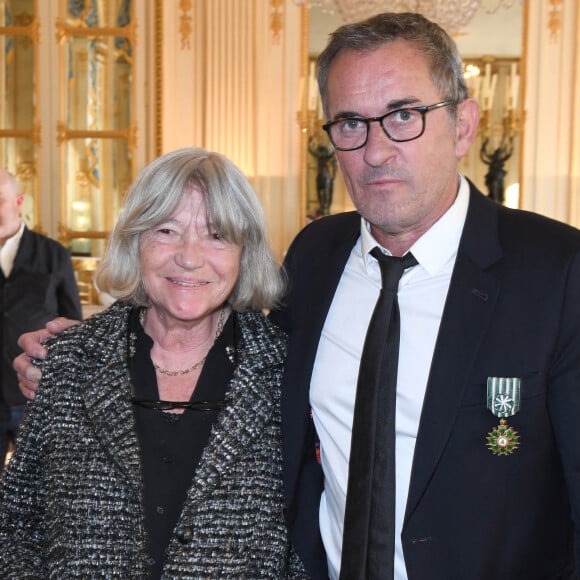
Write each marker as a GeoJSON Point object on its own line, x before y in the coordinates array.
{"type": "Point", "coordinates": [467, 125]}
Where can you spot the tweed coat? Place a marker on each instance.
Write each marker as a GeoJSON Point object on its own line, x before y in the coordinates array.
{"type": "Point", "coordinates": [71, 498]}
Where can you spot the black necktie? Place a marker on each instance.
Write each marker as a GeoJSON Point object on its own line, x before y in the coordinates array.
{"type": "Point", "coordinates": [368, 542]}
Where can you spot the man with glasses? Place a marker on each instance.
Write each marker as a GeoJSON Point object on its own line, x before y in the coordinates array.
{"type": "Point", "coordinates": [486, 419]}
{"type": "Point", "coordinates": [486, 425]}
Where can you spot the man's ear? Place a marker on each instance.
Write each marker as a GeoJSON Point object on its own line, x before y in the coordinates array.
{"type": "Point", "coordinates": [466, 126]}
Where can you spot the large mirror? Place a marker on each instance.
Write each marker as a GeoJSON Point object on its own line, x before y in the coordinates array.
{"type": "Point", "coordinates": [491, 47]}
{"type": "Point", "coordinates": [68, 127]}
{"type": "Point", "coordinates": [95, 131]}
{"type": "Point", "coordinates": [19, 123]}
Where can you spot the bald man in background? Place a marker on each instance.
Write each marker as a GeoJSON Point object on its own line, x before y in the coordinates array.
{"type": "Point", "coordinates": [37, 283]}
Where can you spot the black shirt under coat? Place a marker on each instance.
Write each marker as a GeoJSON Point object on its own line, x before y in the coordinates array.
{"type": "Point", "coordinates": [172, 444]}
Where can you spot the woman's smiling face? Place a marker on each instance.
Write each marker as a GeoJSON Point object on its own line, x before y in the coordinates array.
{"type": "Point", "coordinates": [188, 270]}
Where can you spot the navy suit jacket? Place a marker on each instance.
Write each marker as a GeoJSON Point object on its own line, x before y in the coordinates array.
{"type": "Point", "coordinates": [512, 310]}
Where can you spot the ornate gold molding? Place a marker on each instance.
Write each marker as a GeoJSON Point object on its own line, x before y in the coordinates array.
{"type": "Point", "coordinates": [65, 235]}
{"type": "Point", "coordinates": [158, 78]}
{"type": "Point", "coordinates": [32, 30]}
{"type": "Point", "coordinates": [64, 30]}
{"type": "Point", "coordinates": [185, 20]}
{"type": "Point", "coordinates": [64, 134]}
{"type": "Point", "coordinates": [276, 19]}
{"type": "Point", "coordinates": [34, 133]}
{"type": "Point", "coordinates": [27, 26]}
{"type": "Point", "coordinates": [523, 90]}
{"type": "Point", "coordinates": [555, 19]}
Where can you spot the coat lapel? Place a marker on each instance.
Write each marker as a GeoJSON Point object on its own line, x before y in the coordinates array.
{"type": "Point", "coordinates": [107, 403]}
{"type": "Point", "coordinates": [253, 406]}
{"type": "Point", "coordinates": [109, 410]}
{"type": "Point", "coordinates": [470, 303]}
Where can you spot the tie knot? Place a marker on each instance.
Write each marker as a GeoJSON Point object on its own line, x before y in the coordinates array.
{"type": "Point", "coordinates": [392, 267]}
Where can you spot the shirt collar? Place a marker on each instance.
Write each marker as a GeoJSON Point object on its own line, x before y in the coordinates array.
{"type": "Point", "coordinates": [15, 239]}
{"type": "Point", "coordinates": [439, 243]}
{"type": "Point", "coordinates": [9, 250]}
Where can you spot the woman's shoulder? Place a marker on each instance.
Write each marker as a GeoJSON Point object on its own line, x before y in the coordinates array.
{"type": "Point", "coordinates": [84, 351]}
{"type": "Point", "coordinates": [91, 334]}
{"type": "Point", "coordinates": [260, 335]}
{"type": "Point", "coordinates": [259, 324]}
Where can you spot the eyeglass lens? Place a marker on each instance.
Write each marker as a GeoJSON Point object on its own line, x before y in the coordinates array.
{"type": "Point", "coordinates": [400, 125]}
{"type": "Point", "coordinates": [403, 125]}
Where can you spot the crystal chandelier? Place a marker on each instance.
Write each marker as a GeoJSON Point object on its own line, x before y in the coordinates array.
{"type": "Point", "coordinates": [450, 14]}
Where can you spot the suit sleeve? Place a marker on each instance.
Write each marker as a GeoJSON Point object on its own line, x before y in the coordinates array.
{"type": "Point", "coordinates": [564, 393]}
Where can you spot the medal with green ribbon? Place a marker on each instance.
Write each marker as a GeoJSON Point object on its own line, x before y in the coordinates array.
{"type": "Point", "coordinates": [503, 400]}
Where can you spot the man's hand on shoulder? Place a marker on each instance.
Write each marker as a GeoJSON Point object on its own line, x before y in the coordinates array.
{"type": "Point", "coordinates": [31, 344]}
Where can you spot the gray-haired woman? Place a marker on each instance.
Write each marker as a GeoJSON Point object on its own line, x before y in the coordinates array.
{"type": "Point", "coordinates": [152, 448]}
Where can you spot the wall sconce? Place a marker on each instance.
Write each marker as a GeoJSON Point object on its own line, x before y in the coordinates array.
{"type": "Point", "coordinates": [495, 84]}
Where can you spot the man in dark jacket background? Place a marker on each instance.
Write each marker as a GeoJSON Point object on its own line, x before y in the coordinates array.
{"type": "Point", "coordinates": [37, 283]}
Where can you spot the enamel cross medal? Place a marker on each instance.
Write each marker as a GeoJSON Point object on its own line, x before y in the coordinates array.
{"type": "Point", "coordinates": [503, 400]}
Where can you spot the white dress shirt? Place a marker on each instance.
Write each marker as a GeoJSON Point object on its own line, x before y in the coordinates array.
{"type": "Point", "coordinates": [422, 293]}
{"type": "Point", "coordinates": [8, 251]}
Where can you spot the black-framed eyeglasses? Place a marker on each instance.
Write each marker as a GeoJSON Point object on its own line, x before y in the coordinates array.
{"type": "Point", "coordinates": [400, 125]}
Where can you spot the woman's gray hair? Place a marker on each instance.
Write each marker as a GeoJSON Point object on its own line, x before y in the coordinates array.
{"type": "Point", "coordinates": [444, 59]}
{"type": "Point", "coordinates": [233, 209]}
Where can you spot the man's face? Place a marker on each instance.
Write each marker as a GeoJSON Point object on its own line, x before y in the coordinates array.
{"type": "Point", "coordinates": [10, 207]}
{"type": "Point", "coordinates": [400, 188]}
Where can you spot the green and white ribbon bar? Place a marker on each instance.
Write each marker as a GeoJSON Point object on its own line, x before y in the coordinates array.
{"type": "Point", "coordinates": [503, 396]}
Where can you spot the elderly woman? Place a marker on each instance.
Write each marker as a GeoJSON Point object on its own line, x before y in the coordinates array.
{"type": "Point", "coordinates": [152, 448]}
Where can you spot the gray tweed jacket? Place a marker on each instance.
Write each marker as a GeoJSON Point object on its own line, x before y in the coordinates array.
{"type": "Point", "coordinates": [71, 498]}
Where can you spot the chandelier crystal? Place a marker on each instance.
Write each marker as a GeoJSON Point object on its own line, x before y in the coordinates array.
{"type": "Point", "coordinates": [452, 15]}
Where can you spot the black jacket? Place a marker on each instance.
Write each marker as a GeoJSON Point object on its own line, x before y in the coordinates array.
{"type": "Point", "coordinates": [41, 286]}
{"type": "Point", "coordinates": [512, 310]}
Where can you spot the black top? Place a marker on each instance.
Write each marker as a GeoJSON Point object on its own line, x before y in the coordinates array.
{"type": "Point", "coordinates": [172, 444]}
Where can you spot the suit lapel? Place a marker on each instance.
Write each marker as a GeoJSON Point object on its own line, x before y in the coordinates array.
{"type": "Point", "coordinates": [324, 280]}
{"type": "Point", "coordinates": [470, 303]}
{"type": "Point", "coordinates": [318, 280]}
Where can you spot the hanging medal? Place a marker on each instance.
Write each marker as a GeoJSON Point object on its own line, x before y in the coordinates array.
{"type": "Point", "coordinates": [503, 400]}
